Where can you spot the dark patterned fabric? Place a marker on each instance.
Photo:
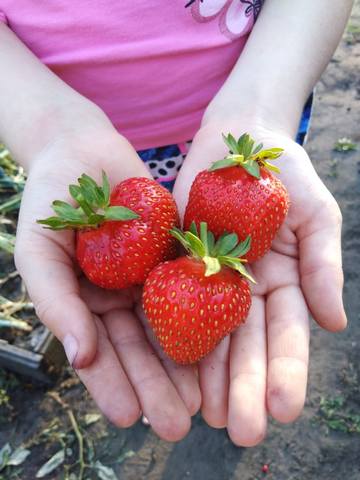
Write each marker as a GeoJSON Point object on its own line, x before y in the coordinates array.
{"type": "Point", "coordinates": [305, 121]}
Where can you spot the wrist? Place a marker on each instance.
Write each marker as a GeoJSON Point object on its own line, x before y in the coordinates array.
{"type": "Point", "coordinates": [263, 107]}
{"type": "Point", "coordinates": [87, 147]}
{"type": "Point", "coordinates": [67, 125]}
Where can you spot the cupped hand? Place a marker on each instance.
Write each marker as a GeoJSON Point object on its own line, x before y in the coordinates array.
{"type": "Point", "coordinates": [262, 367]}
{"type": "Point", "coordinates": [103, 336]}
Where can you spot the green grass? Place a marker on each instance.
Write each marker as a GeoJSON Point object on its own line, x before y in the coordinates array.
{"type": "Point", "coordinates": [335, 414]}
{"type": "Point", "coordinates": [345, 145]}
{"type": "Point", "coordinates": [352, 33]}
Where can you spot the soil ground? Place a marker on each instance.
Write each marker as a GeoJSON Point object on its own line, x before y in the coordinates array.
{"type": "Point", "coordinates": [324, 444]}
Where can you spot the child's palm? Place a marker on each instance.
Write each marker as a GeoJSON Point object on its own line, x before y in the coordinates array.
{"type": "Point", "coordinates": [114, 359]}
{"type": "Point", "coordinates": [263, 365]}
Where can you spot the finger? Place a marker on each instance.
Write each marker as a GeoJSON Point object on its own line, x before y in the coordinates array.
{"type": "Point", "coordinates": [288, 352]}
{"type": "Point", "coordinates": [204, 150]}
{"type": "Point", "coordinates": [121, 161]}
{"type": "Point", "coordinates": [100, 301]}
{"type": "Point", "coordinates": [53, 287]}
{"type": "Point", "coordinates": [321, 270]}
{"type": "Point", "coordinates": [185, 381]}
{"type": "Point", "coordinates": [273, 271]}
{"type": "Point", "coordinates": [247, 395]}
{"type": "Point", "coordinates": [183, 377]}
{"type": "Point", "coordinates": [158, 397]}
{"type": "Point", "coordinates": [214, 385]}
{"type": "Point", "coordinates": [108, 384]}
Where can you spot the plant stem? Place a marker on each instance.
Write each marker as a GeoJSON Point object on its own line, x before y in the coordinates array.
{"type": "Point", "coordinates": [80, 440]}
{"type": "Point", "coordinates": [75, 427]}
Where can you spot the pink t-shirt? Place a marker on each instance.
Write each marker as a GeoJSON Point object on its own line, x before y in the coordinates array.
{"type": "Point", "coordinates": [152, 66]}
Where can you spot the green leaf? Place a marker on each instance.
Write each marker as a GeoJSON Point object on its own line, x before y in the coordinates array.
{"type": "Point", "coordinates": [104, 473]}
{"type": "Point", "coordinates": [271, 167]}
{"type": "Point", "coordinates": [105, 188]}
{"type": "Point", "coordinates": [196, 245]}
{"type": "Point", "coordinates": [275, 151]}
{"type": "Point", "coordinates": [242, 142]}
{"type": "Point", "coordinates": [193, 228]}
{"type": "Point", "coordinates": [75, 192]}
{"type": "Point", "coordinates": [230, 142]}
{"type": "Point", "coordinates": [215, 250]}
{"type": "Point", "coordinates": [93, 209]}
{"type": "Point", "coordinates": [87, 208]}
{"type": "Point", "coordinates": [257, 149]}
{"type": "Point", "coordinates": [101, 198]}
{"type": "Point", "coordinates": [67, 212]}
{"type": "Point", "coordinates": [248, 147]}
{"type": "Point", "coordinates": [5, 453]}
{"type": "Point", "coordinates": [241, 249]}
{"type": "Point", "coordinates": [18, 457]}
{"type": "Point", "coordinates": [345, 145]}
{"type": "Point", "coordinates": [7, 242]}
{"type": "Point", "coordinates": [179, 235]}
{"type": "Point", "coordinates": [236, 264]}
{"type": "Point", "coordinates": [210, 241]}
{"type": "Point", "coordinates": [271, 153]}
{"type": "Point", "coordinates": [95, 220]}
{"type": "Point", "coordinates": [13, 203]}
{"type": "Point", "coordinates": [337, 424]}
{"type": "Point", "coordinates": [211, 253]}
{"type": "Point", "coordinates": [55, 223]}
{"type": "Point", "coordinates": [54, 462]}
{"type": "Point", "coordinates": [212, 265]}
{"type": "Point", "coordinates": [120, 213]}
{"type": "Point", "coordinates": [92, 192]}
{"type": "Point", "coordinates": [226, 162]}
{"type": "Point", "coordinates": [226, 244]}
{"type": "Point", "coordinates": [252, 168]}
{"type": "Point", "coordinates": [204, 237]}
{"type": "Point", "coordinates": [89, 191]}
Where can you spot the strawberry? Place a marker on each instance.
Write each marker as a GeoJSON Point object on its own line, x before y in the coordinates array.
{"type": "Point", "coordinates": [120, 237]}
{"type": "Point", "coordinates": [193, 302]}
{"type": "Point", "coordinates": [240, 194]}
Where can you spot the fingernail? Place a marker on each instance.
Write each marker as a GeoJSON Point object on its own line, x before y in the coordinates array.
{"type": "Point", "coordinates": [145, 421]}
{"type": "Point", "coordinates": [71, 348]}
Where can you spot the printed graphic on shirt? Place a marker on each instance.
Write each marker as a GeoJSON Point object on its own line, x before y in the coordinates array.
{"type": "Point", "coordinates": [236, 17]}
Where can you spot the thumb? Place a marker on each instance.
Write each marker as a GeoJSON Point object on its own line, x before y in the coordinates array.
{"type": "Point", "coordinates": [205, 149]}
{"type": "Point", "coordinates": [53, 287]}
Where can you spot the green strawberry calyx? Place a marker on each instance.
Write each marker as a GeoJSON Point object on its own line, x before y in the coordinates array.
{"type": "Point", "coordinates": [244, 153]}
{"type": "Point", "coordinates": [93, 207]}
{"type": "Point", "coordinates": [227, 250]}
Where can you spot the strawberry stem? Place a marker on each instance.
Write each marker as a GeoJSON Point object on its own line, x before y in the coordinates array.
{"type": "Point", "coordinates": [93, 207]}
{"type": "Point", "coordinates": [244, 154]}
{"type": "Point", "coordinates": [225, 251]}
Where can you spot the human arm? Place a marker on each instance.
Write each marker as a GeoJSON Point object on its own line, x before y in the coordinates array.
{"type": "Point", "coordinates": [263, 366]}
{"type": "Point", "coordinates": [57, 134]}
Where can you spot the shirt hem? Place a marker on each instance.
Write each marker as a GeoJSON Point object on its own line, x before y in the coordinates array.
{"type": "Point", "coordinates": [162, 135]}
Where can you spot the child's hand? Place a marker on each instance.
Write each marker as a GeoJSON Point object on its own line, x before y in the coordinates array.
{"type": "Point", "coordinates": [103, 336]}
{"type": "Point", "coordinates": [263, 366]}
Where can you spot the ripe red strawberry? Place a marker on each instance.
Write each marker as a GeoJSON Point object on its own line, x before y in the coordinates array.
{"type": "Point", "coordinates": [195, 301]}
{"type": "Point", "coordinates": [238, 194]}
{"type": "Point", "coordinates": [121, 237]}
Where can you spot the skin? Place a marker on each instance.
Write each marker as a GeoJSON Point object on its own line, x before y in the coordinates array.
{"type": "Point", "coordinates": [115, 359]}
{"type": "Point", "coordinates": [262, 368]}
{"type": "Point", "coordinates": [268, 357]}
